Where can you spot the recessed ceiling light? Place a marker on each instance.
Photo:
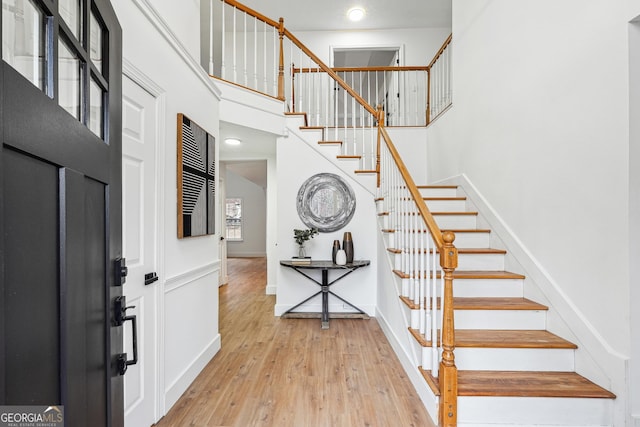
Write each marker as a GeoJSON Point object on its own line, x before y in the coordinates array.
{"type": "Point", "coordinates": [232, 141]}
{"type": "Point", "coordinates": [355, 14]}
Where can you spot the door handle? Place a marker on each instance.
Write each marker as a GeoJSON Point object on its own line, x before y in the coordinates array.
{"type": "Point", "coordinates": [120, 310]}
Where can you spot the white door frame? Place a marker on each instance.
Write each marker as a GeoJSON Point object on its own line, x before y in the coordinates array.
{"type": "Point", "coordinates": [137, 76]}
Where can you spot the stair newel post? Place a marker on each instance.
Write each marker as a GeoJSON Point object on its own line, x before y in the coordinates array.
{"type": "Point", "coordinates": [448, 372]}
{"type": "Point", "coordinates": [281, 61]}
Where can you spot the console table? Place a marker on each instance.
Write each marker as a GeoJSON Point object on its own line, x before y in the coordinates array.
{"type": "Point", "coordinates": [324, 267]}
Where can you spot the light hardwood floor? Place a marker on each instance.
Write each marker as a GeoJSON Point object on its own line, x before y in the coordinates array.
{"type": "Point", "coordinates": [290, 373]}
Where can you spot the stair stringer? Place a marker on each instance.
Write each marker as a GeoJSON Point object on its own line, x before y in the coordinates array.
{"type": "Point", "coordinates": [394, 323]}
{"type": "Point", "coordinates": [563, 317]}
{"type": "Point", "coordinates": [349, 167]}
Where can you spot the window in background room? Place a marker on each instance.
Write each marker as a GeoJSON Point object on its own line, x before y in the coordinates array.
{"type": "Point", "coordinates": [234, 219]}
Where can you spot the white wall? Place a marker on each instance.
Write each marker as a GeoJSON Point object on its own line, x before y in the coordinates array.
{"type": "Point", "coordinates": [420, 45]}
{"type": "Point", "coordinates": [539, 125]}
{"type": "Point", "coordinates": [189, 300]}
{"type": "Point", "coordinates": [183, 17]}
{"type": "Point", "coordinates": [254, 217]}
{"type": "Point", "coordinates": [297, 162]}
{"type": "Point", "coordinates": [634, 212]}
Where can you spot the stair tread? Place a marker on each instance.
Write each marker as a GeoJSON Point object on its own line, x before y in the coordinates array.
{"type": "Point", "coordinates": [304, 115]}
{"type": "Point", "coordinates": [311, 127]}
{"type": "Point", "coordinates": [486, 303]}
{"type": "Point", "coordinates": [493, 338]}
{"type": "Point", "coordinates": [477, 274]}
{"type": "Point", "coordinates": [348, 157]}
{"type": "Point", "coordinates": [437, 186]}
{"type": "Point", "coordinates": [478, 251]}
{"type": "Point", "coordinates": [465, 230]}
{"type": "Point", "coordinates": [468, 230]}
{"type": "Point", "coordinates": [524, 384]}
{"type": "Point", "coordinates": [496, 303]}
{"type": "Point", "coordinates": [361, 171]}
{"type": "Point", "coordinates": [330, 142]}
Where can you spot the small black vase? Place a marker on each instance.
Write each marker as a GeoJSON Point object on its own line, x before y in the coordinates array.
{"type": "Point", "coordinates": [347, 245]}
{"type": "Point", "coordinates": [334, 251]}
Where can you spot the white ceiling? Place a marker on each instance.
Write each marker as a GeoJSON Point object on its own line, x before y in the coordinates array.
{"type": "Point", "coordinates": [305, 15]}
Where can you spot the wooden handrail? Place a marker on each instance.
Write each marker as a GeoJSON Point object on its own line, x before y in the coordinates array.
{"type": "Point", "coordinates": [330, 72]}
{"type": "Point", "coordinates": [252, 12]}
{"type": "Point", "coordinates": [442, 48]}
{"type": "Point", "coordinates": [356, 69]}
{"type": "Point", "coordinates": [415, 193]}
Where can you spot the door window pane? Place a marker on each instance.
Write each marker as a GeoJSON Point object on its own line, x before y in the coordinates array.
{"type": "Point", "coordinates": [23, 29]}
{"type": "Point", "coordinates": [234, 219]}
{"type": "Point", "coordinates": [68, 80]}
{"type": "Point", "coordinates": [95, 51]}
{"type": "Point", "coordinates": [70, 11]}
{"type": "Point", "coordinates": [96, 109]}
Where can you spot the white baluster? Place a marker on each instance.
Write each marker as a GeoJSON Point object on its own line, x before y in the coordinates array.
{"type": "Point", "coordinates": [224, 47]}
{"type": "Point", "coordinates": [235, 71]}
{"type": "Point", "coordinates": [275, 61]}
{"type": "Point", "coordinates": [264, 49]}
{"type": "Point", "coordinates": [255, 53]}
{"type": "Point", "coordinates": [211, 70]}
{"type": "Point", "coordinates": [244, 52]}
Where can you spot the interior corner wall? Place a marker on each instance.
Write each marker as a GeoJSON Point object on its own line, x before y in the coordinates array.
{"type": "Point", "coordinates": [539, 124]}
{"type": "Point", "coordinates": [189, 288]}
{"type": "Point", "coordinates": [254, 217]}
{"type": "Point", "coordinates": [634, 215]}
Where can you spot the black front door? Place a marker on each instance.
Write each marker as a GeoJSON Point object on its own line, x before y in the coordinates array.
{"type": "Point", "coordinates": [60, 208]}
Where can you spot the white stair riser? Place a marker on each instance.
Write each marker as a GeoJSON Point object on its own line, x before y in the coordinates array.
{"type": "Point", "coordinates": [448, 222]}
{"type": "Point", "coordinates": [500, 319]}
{"type": "Point", "coordinates": [493, 319]}
{"type": "Point", "coordinates": [515, 359]}
{"type": "Point", "coordinates": [488, 288]}
{"type": "Point", "coordinates": [463, 239]}
{"type": "Point", "coordinates": [533, 411]}
{"type": "Point", "coordinates": [472, 240]}
{"type": "Point", "coordinates": [482, 262]}
{"type": "Point", "coordinates": [446, 205]}
{"type": "Point", "coordinates": [438, 192]}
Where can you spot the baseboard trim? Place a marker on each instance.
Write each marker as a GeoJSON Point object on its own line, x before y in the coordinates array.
{"type": "Point", "coordinates": [272, 289]}
{"type": "Point", "coordinates": [175, 390]}
{"type": "Point", "coordinates": [429, 400]}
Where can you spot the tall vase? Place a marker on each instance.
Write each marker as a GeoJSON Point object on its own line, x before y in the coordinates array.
{"type": "Point", "coordinates": [347, 245]}
{"type": "Point", "coordinates": [334, 251]}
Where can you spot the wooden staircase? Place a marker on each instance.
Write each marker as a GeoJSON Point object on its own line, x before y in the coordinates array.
{"type": "Point", "coordinates": [503, 350]}
{"type": "Point", "coordinates": [511, 370]}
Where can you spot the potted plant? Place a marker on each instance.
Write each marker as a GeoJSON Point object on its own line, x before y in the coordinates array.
{"type": "Point", "coordinates": [302, 236]}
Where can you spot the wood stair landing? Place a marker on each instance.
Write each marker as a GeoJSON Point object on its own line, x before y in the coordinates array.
{"type": "Point", "coordinates": [524, 384]}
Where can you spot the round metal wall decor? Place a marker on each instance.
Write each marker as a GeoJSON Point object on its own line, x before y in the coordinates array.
{"type": "Point", "coordinates": [326, 202]}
